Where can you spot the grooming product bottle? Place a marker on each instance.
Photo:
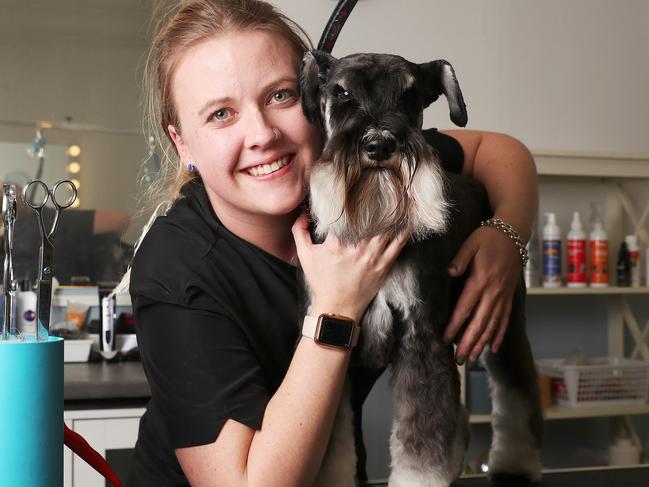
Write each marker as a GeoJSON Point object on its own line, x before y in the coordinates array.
{"type": "Point", "coordinates": [551, 252]}
{"type": "Point", "coordinates": [576, 253]}
{"type": "Point", "coordinates": [623, 266]}
{"type": "Point", "coordinates": [624, 452]}
{"type": "Point", "coordinates": [598, 258]}
{"type": "Point", "coordinates": [26, 309]}
{"type": "Point", "coordinates": [634, 257]}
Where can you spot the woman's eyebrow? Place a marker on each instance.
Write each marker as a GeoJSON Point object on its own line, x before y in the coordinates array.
{"type": "Point", "coordinates": [223, 101]}
{"type": "Point", "coordinates": [215, 102]}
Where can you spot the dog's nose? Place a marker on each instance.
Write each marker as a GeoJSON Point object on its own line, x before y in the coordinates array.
{"type": "Point", "coordinates": [380, 149]}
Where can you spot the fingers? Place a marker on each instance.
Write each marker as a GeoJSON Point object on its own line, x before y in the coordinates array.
{"type": "Point", "coordinates": [463, 310]}
{"type": "Point", "coordinates": [481, 324]}
{"type": "Point", "coordinates": [301, 233]}
{"type": "Point", "coordinates": [393, 247]}
{"type": "Point", "coordinates": [463, 258]}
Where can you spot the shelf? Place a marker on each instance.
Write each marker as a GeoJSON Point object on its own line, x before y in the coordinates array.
{"type": "Point", "coordinates": [557, 412]}
{"type": "Point", "coordinates": [584, 164]}
{"type": "Point", "coordinates": [87, 295]}
{"type": "Point", "coordinates": [569, 291]}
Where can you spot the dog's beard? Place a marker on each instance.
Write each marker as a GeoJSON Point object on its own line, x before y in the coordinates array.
{"type": "Point", "coordinates": [356, 199]}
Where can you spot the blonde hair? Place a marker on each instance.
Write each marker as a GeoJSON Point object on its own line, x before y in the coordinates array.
{"type": "Point", "coordinates": [195, 21]}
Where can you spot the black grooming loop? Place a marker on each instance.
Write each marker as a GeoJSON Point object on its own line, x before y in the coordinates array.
{"type": "Point", "coordinates": [335, 25]}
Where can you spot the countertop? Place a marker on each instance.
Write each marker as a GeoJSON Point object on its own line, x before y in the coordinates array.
{"type": "Point", "coordinates": [105, 381]}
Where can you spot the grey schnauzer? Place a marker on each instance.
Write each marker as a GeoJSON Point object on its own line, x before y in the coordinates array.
{"type": "Point", "coordinates": [377, 175]}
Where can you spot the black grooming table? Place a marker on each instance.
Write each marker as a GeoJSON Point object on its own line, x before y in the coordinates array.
{"type": "Point", "coordinates": [601, 477]}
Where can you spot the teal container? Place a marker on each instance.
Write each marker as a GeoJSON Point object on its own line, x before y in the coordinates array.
{"type": "Point", "coordinates": [31, 413]}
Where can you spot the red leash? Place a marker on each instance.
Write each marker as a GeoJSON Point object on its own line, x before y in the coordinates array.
{"type": "Point", "coordinates": [76, 443]}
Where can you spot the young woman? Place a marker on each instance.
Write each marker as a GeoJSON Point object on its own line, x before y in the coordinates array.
{"type": "Point", "coordinates": [234, 400]}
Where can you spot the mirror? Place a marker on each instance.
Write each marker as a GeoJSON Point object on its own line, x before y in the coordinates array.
{"type": "Point", "coordinates": [73, 71]}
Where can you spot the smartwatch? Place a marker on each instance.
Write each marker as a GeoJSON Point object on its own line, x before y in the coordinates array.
{"type": "Point", "coordinates": [331, 330]}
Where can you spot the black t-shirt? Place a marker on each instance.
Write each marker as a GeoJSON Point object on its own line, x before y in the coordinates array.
{"type": "Point", "coordinates": [217, 322]}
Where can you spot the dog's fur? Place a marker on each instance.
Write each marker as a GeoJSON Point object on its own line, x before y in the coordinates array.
{"type": "Point", "coordinates": [377, 175]}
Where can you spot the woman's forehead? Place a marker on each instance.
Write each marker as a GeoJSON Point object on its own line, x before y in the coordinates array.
{"type": "Point", "coordinates": [233, 62]}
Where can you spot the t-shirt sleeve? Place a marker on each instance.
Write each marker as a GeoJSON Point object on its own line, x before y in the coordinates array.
{"type": "Point", "coordinates": [201, 371]}
{"type": "Point", "coordinates": [449, 149]}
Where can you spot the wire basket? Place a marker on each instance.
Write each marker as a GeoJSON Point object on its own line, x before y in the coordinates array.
{"type": "Point", "coordinates": [604, 381]}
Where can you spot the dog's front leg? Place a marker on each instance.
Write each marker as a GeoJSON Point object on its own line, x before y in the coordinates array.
{"type": "Point", "coordinates": [430, 430]}
{"type": "Point", "coordinates": [517, 418]}
{"type": "Point", "coordinates": [338, 467]}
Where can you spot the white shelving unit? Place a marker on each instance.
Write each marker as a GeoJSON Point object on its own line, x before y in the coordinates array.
{"type": "Point", "coordinates": [613, 173]}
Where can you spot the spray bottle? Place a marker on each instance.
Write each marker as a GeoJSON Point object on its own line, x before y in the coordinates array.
{"type": "Point", "coordinates": [634, 257]}
{"type": "Point", "coordinates": [551, 252]}
{"type": "Point", "coordinates": [598, 261]}
{"type": "Point", "coordinates": [576, 258]}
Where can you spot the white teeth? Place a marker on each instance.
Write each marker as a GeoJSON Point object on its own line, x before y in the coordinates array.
{"type": "Point", "coordinates": [264, 169]}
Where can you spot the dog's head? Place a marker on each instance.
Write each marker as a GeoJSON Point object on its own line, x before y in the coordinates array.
{"type": "Point", "coordinates": [377, 174]}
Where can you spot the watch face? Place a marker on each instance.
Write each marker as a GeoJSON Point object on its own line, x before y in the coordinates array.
{"type": "Point", "coordinates": [334, 331]}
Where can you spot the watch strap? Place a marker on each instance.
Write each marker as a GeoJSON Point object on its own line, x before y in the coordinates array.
{"type": "Point", "coordinates": [310, 327]}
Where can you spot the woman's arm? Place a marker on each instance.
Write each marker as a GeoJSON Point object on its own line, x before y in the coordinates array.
{"type": "Point", "coordinates": [290, 446]}
{"type": "Point", "coordinates": [507, 170]}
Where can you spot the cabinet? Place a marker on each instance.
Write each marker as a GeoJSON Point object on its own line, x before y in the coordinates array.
{"type": "Point", "coordinates": [112, 432]}
{"type": "Point", "coordinates": [621, 185]}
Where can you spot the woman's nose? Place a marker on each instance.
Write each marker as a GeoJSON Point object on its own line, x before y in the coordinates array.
{"type": "Point", "coordinates": [260, 132]}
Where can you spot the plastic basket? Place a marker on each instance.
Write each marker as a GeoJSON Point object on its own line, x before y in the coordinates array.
{"type": "Point", "coordinates": [604, 381]}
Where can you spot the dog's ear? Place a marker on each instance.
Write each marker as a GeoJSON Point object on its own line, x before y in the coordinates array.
{"type": "Point", "coordinates": [438, 77]}
{"type": "Point", "coordinates": [313, 74]}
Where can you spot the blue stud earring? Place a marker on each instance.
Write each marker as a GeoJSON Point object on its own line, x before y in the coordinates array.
{"type": "Point", "coordinates": [191, 167]}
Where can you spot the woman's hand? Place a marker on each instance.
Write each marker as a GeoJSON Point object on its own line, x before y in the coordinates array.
{"type": "Point", "coordinates": [344, 279]}
{"type": "Point", "coordinates": [486, 300]}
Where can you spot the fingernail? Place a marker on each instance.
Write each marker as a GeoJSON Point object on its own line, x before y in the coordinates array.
{"type": "Point", "coordinates": [473, 358]}
{"type": "Point", "coordinates": [453, 267]}
{"type": "Point", "coordinates": [460, 360]}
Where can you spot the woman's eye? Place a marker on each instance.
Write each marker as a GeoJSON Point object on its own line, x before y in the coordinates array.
{"type": "Point", "coordinates": [221, 115]}
{"type": "Point", "coordinates": [283, 95]}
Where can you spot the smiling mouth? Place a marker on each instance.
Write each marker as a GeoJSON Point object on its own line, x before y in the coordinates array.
{"type": "Point", "coordinates": [265, 169]}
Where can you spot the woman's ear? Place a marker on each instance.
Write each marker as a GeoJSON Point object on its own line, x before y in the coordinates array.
{"type": "Point", "coordinates": [179, 142]}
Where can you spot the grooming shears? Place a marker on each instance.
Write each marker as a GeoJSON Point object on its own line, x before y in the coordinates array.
{"type": "Point", "coordinates": [46, 254]}
{"type": "Point", "coordinates": [10, 285]}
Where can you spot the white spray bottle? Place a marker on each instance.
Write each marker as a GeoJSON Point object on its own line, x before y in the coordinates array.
{"type": "Point", "coordinates": [576, 253]}
{"type": "Point", "coordinates": [551, 252]}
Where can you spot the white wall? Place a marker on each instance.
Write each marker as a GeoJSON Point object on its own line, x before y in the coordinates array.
{"type": "Point", "coordinates": [559, 75]}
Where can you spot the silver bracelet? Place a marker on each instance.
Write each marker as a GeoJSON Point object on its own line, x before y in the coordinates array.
{"type": "Point", "coordinates": [511, 233]}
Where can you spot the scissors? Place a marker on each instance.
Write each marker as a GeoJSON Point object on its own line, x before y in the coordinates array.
{"type": "Point", "coordinates": [46, 254]}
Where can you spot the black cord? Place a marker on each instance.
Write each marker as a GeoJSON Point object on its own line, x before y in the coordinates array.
{"type": "Point", "coordinates": [335, 25]}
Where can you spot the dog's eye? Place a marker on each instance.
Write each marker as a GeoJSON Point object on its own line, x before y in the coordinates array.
{"type": "Point", "coordinates": [342, 93]}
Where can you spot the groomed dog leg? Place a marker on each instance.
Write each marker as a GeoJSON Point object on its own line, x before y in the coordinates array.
{"type": "Point", "coordinates": [430, 431]}
{"type": "Point", "coordinates": [338, 467]}
{"type": "Point", "coordinates": [517, 419]}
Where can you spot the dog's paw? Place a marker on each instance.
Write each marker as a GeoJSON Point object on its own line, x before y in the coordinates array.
{"type": "Point", "coordinates": [512, 480]}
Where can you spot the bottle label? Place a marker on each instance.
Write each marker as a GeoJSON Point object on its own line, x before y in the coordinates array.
{"type": "Point", "coordinates": [599, 261]}
{"type": "Point", "coordinates": [552, 262]}
{"type": "Point", "coordinates": [576, 261]}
